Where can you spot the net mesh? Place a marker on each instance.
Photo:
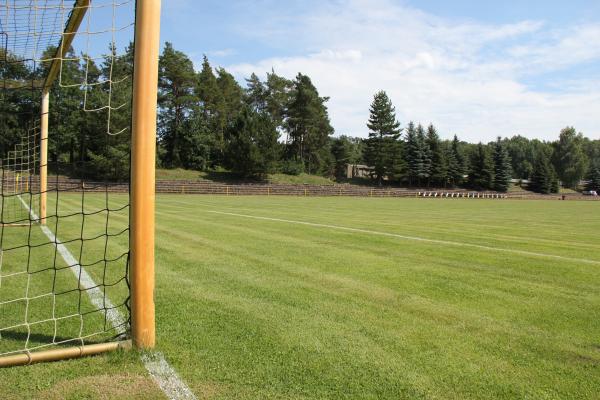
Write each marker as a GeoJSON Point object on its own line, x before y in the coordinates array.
{"type": "Point", "coordinates": [64, 279]}
{"type": "Point", "coordinates": [19, 183]}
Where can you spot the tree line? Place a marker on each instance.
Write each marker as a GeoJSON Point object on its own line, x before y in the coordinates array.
{"type": "Point", "coordinates": [415, 155]}
{"type": "Point", "coordinates": [208, 121]}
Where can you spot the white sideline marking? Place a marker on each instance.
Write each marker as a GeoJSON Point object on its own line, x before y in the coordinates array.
{"type": "Point", "coordinates": [166, 378]}
{"type": "Point", "coordinates": [159, 369]}
{"type": "Point", "coordinates": [415, 238]}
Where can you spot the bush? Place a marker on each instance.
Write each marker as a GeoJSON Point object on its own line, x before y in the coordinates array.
{"type": "Point", "coordinates": [292, 167]}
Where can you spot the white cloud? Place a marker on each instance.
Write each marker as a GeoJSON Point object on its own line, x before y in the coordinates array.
{"type": "Point", "coordinates": [575, 46]}
{"type": "Point", "coordinates": [465, 77]}
{"type": "Point", "coordinates": [221, 53]}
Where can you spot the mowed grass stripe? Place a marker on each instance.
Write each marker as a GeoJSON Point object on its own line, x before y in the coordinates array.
{"type": "Point", "coordinates": [297, 312]}
{"type": "Point", "coordinates": [415, 238]}
{"type": "Point", "coordinates": [474, 227]}
{"type": "Point", "coordinates": [295, 245]}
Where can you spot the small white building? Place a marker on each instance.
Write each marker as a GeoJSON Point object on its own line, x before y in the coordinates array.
{"type": "Point", "coordinates": [358, 171]}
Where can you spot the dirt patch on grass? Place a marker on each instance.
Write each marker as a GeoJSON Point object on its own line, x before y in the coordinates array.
{"type": "Point", "coordinates": [207, 390]}
{"type": "Point", "coordinates": [105, 387]}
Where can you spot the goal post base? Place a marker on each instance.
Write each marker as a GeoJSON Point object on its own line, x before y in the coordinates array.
{"type": "Point", "coordinates": [62, 354]}
{"type": "Point", "coordinates": [16, 225]}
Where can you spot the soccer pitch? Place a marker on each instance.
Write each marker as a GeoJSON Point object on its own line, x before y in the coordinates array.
{"type": "Point", "coordinates": [311, 298]}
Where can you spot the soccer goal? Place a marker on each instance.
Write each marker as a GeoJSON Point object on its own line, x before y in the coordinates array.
{"type": "Point", "coordinates": [78, 90]}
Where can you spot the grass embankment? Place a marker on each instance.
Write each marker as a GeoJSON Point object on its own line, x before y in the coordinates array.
{"type": "Point", "coordinates": [502, 302]}
{"type": "Point", "coordinates": [227, 177]}
{"type": "Point", "coordinates": [515, 188]}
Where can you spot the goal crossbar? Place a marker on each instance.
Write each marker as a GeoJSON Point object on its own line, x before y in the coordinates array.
{"type": "Point", "coordinates": [73, 23]}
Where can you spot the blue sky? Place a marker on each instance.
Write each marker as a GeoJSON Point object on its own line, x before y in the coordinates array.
{"type": "Point", "coordinates": [478, 69]}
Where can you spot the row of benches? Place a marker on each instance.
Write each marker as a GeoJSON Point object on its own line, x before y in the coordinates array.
{"type": "Point", "coordinates": [469, 195]}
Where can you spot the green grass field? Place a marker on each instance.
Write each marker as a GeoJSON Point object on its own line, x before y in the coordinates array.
{"type": "Point", "coordinates": [312, 298]}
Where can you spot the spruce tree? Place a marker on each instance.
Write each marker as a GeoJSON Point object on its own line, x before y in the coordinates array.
{"type": "Point", "coordinates": [501, 167]}
{"type": "Point", "coordinates": [481, 169]}
{"type": "Point", "coordinates": [451, 165]}
{"type": "Point", "coordinates": [439, 167]}
{"type": "Point", "coordinates": [424, 157]}
{"type": "Point", "coordinates": [554, 182]}
{"type": "Point", "coordinates": [456, 168]}
{"type": "Point", "coordinates": [540, 179]}
{"type": "Point", "coordinates": [413, 154]}
{"type": "Point", "coordinates": [593, 179]}
{"type": "Point", "coordinates": [207, 89]}
{"type": "Point", "coordinates": [543, 178]}
{"type": "Point", "coordinates": [382, 145]}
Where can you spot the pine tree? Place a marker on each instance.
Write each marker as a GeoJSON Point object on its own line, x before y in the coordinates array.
{"type": "Point", "coordinates": [209, 94]}
{"type": "Point", "coordinates": [176, 99]}
{"type": "Point", "coordinates": [278, 97]}
{"type": "Point", "coordinates": [481, 169]}
{"type": "Point", "coordinates": [382, 144]}
{"type": "Point", "coordinates": [229, 105]}
{"type": "Point", "coordinates": [256, 93]}
{"type": "Point", "coordinates": [439, 168]}
{"type": "Point", "coordinates": [593, 179]}
{"type": "Point", "coordinates": [207, 89]}
{"type": "Point", "coordinates": [106, 157]}
{"type": "Point", "coordinates": [308, 125]}
{"type": "Point", "coordinates": [501, 167]}
{"type": "Point", "coordinates": [15, 104]}
{"type": "Point", "coordinates": [66, 114]}
{"type": "Point", "coordinates": [197, 142]}
{"type": "Point", "coordinates": [252, 149]}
